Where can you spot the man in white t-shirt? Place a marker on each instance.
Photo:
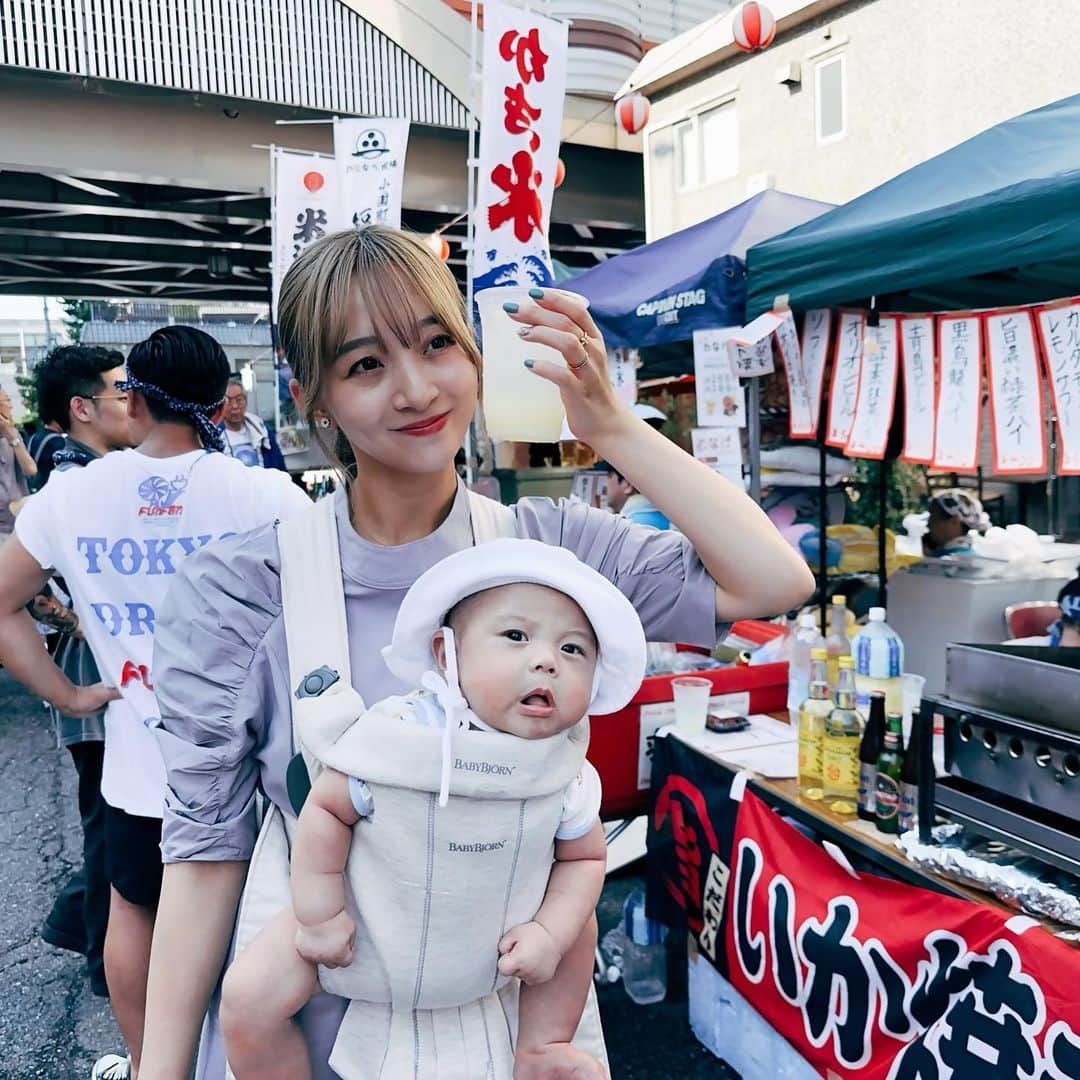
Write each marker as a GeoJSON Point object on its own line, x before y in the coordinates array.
{"type": "Point", "coordinates": [117, 531]}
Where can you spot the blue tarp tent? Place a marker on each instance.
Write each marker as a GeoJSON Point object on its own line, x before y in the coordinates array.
{"type": "Point", "coordinates": [691, 280]}
{"type": "Point", "coordinates": [991, 222]}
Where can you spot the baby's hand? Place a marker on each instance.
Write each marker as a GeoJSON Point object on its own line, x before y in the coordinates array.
{"type": "Point", "coordinates": [328, 943]}
{"type": "Point", "coordinates": [529, 953]}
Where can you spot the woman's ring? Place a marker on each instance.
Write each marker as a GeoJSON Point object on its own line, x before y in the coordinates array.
{"type": "Point", "coordinates": [584, 339]}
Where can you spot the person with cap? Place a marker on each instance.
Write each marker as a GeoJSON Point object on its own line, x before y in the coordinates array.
{"type": "Point", "coordinates": [117, 530]}
{"type": "Point", "coordinates": [954, 515]}
{"type": "Point", "coordinates": [512, 645]}
{"type": "Point", "coordinates": [622, 497]}
{"type": "Point", "coordinates": [387, 376]}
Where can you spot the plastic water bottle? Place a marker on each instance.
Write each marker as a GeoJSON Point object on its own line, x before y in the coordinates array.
{"type": "Point", "coordinates": [644, 959]}
{"type": "Point", "coordinates": [806, 638]}
{"type": "Point", "coordinates": [879, 663]}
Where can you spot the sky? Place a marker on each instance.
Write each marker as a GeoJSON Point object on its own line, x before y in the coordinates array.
{"type": "Point", "coordinates": [28, 307]}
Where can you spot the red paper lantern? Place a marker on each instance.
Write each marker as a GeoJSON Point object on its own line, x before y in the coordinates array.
{"type": "Point", "coordinates": [632, 112]}
{"type": "Point", "coordinates": [753, 26]}
{"type": "Point", "coordinates": [560, 172]}
{"type": "Point", "coordinates": [438, 245]}
{"type": "Point", "coordinates": [313, 181]}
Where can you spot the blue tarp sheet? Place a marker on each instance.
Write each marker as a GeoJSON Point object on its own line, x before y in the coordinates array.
{"type": "Point", "coordinates": [691, 280]}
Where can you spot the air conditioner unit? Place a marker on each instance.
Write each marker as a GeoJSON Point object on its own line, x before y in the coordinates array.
{"type": "Point", "coordinates": [790, 73]}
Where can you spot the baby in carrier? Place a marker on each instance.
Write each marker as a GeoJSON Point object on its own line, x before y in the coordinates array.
{"type": "Point", "coordinates": [451, 840]}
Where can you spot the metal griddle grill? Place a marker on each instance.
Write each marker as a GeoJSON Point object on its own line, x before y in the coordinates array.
{"type": "Point", "coordinates": [1012, 749]}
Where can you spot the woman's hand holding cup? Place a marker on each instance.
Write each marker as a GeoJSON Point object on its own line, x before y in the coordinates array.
{"type": "Point", "coordinates": [562, 321]}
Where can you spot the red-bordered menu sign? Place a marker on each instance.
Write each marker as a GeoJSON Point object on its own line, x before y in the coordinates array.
{"type": "Point", "coordinates": [877, 391]}
{"type": "Point", "coordinates": [918, 351]}
{"type": "Point", "coordinates": [1059, 328]}
{"type": "Point", "coordinates": [1017, 426]}
{"type": "Point", "coordinates": [956, 445]}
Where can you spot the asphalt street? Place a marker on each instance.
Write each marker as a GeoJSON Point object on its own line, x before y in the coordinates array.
{"type": "Point", "coordinates": [53, 1028]}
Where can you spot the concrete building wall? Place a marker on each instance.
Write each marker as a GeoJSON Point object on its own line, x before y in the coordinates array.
{"type": "Point", "coordinates": [919, 77]}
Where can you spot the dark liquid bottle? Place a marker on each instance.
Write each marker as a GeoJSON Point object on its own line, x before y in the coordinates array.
{"type": "Point", "coordinates": [909, 780]}
{"type": "Point", "coordinates": [873, 741]}
{"type": "Point", "coordinates": [889, 768]}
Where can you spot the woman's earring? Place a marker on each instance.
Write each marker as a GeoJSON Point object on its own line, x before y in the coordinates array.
{"type": "Point", "coordinates": [323, 421]}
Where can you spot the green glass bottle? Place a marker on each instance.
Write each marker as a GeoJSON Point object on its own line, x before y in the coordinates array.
{"type": "Point", "coordinates": [840, 745]}
{"type": "Point", "coordinates": [890, 765]}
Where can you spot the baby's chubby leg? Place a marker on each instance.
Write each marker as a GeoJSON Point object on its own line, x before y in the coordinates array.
{"type": "Point", "coordinates": [549, 1014]}
{"type": "Point", "coordinates": [267, 984]}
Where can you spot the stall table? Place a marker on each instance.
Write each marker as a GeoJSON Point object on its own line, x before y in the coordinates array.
{"type": "Point", "coordinates": [770, 913]}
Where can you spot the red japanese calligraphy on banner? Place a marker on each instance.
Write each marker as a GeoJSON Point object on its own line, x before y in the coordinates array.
{"type": "Point", "coordinates": [524, 83]}
{"type": "Point", "coordinates": [881, 980]}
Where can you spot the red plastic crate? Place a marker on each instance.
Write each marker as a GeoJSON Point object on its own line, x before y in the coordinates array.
{"type": "Point", "coordinates": [615, 741]}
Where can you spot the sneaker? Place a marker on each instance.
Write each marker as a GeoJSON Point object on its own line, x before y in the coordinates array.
{"type": "Point", "coordinates": [112, 1067]}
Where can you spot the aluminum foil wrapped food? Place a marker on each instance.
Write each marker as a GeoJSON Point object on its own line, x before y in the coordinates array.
{"type": "Point", "coordinates": [1017, 880]}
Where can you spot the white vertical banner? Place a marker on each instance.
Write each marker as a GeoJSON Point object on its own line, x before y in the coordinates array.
{"type": "Point", "coordinates": [800, 421]}
{"type": "Point", "coordinates": [721, 450]}
{"type": "Point", "coordinates": [956, 445]}
{"type": "Point", "coordinates": [305, 207]}
{"type": "Point", "coordinates": [622, 371]}
{"type": "Point", "coordinates": [524, 84]}
{"type": "Point", "coordinates": [877, 391]}
{"type": "Point", "coordinates": [720, 399]}
{"type": "Point", "coordinates": [1016, 412]}
{"type": "Point", "coordinates": [369, 155]}
{"type": "Point", "coordinates": [817, 327]}
{"type": "Point", "coordinates": [1059, 327]}
{"type": "Point", "coordinates": [920, 387]}
{"type": "Point", "coordinates": [845, 378]}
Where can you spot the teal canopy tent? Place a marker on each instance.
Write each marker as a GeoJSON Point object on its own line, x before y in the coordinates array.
{"type": "Point", "coordinates": [991, 222]}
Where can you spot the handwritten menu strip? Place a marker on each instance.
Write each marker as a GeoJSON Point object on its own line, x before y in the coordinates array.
{"type": "Point", "coordinates": [720, 398]}
{"type": "Point", "coordinates": [845, 381]}
{"type": "Point", "coordinates": [920, 387]}
{"type": "Point", "coordinates": [720, 449]}
{"type": "Point", "coordinates": [800, 422]}
{"type": "Point", "coordinates": [1015, 394]}
{"type": "Point", "coordinates": [1059, 327]}
{"type": "Point", "coordinates": [817, 326]}
{"type": "Point", "coordinates": [752, 361]}
{"type": "Point", "coordinates": [877, 391]}
{"type": "Point", "coordinates": [956, 443]}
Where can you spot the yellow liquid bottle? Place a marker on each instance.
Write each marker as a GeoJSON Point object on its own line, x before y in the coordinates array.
{"type": "Point", "coordinates": [837, 643]}
{"type": "Point", "coordinates": [840, 745]}
{"type": "Point", "coordinates": [812, 715]}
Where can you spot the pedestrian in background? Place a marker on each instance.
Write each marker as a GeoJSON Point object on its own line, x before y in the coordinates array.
{"type": "Point", "coordinates": [246, 436]}
{"type": "Point", "coordinates": [117, 530]}
{"type": "Point", "coordinates": [17, 468]}
{"type": "Point", "coordinates": [77, 394]}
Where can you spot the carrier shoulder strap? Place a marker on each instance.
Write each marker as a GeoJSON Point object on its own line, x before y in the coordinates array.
{"type": "Point", "coordinates": [313, 607]}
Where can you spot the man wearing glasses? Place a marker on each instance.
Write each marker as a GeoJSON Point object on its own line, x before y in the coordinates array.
{"type": "Point", "coordinates": [76, 392]}
{"type": "Point", "coordinates": [245, 435]}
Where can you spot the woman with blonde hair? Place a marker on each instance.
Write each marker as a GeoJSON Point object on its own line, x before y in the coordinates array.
{"type": "Point", "coordinates": [388, 375]}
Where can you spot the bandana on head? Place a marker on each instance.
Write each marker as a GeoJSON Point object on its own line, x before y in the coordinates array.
{"type": "Point", "coordinates": [956, 503]}
{"type": "Point", "coordinates": [209, 435]}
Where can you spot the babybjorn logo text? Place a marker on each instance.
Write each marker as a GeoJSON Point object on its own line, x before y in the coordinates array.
{"type": "Point", "coordinates": [495, 845]}
{"type": "Point", "coordinates": [485, 767]}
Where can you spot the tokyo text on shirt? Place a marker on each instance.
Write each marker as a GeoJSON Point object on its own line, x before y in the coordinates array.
{"type": "Point", "coordinates": [117, 531]}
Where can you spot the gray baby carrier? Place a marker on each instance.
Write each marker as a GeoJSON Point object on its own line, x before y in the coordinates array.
{"type": "Point", "coordinates": [431, 889]}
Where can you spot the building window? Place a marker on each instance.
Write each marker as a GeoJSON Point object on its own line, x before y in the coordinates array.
{"type": "Point", "coordinates": [719, 143]}
{"type": "Point", "coordinates": [830, 109]}
{"type": "Point", "coordinates": [707, 147]}
{"type": "Point", "coordinates": [686, 155]}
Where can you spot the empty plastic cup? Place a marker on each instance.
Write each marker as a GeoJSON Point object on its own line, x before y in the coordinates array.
{"type": "Point", "coordinates": [518, 405]}
{"type": "Point", "coordinates": [691, 703]}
